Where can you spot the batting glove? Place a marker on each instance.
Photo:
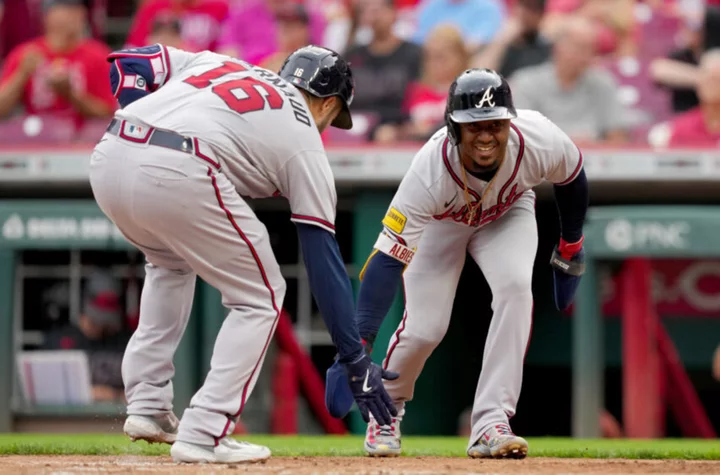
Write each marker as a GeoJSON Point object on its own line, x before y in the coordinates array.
{"type": "Point", "coordinates": [568, 262]}
{"type": "Point", "coordinates": [366, 384]}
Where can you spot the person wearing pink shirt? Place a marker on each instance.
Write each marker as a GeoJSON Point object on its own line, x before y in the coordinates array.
{"type": "Point", "coordinates": [200, 22]}
{"type": "Point", "coordinates": [250, 31]}
{"type": "Point", "coordinates": [700, 127]}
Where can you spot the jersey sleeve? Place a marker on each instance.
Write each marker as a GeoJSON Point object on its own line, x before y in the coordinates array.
{"type": "Point", "coordinates": [307, 182]}
{"type": "Point", "coordinates": [12, 63]}
{"type": "Point", "coordinates": [565, 159]}
{"type": "Point", "coordinates": [136, 72]}
{"type": "Point", "coordinates": [411, 209]}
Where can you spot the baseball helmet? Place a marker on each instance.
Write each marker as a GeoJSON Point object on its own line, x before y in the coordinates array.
{"type": "Point", "coordinates": [477, 95]}
{"type": "Point", "coordinates": [323, 73]}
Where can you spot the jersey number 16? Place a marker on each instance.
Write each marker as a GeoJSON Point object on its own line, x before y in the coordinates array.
{"type": "Point", "coordinates": [254, 101]}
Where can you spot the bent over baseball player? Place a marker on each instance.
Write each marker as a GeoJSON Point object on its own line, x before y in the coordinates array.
{"type": "Point", "coordinates": [469, 189]}
{"type": "Point", "coordinates": [197, 132]}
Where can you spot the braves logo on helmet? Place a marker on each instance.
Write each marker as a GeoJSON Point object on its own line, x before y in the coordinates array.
{"type": "Point", "coordinates": [477, 95]}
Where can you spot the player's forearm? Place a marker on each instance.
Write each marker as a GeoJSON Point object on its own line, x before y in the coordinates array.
{"type": "Point", "coordinates": [572, 202]}
{"type": "Point", "coordinates": [331, 288]}
{"type": "Point", "coordinates": [11, 93]}
{"type": "Point", "coordinates": [381, 280]}
{"type": "Point", "coordinates": [89, 106]}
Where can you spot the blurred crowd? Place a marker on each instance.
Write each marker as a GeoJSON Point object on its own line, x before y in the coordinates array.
{"type": "Point", "coordinates": [609, 72]}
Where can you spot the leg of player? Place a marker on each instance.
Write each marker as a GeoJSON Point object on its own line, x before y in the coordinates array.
{"type": "Point", "coordinates": [165, 305]}
{"type": "Point", "coordinates": [505, 251]}
{"type": "Point", "coordinates": [430, 282]}
{"type": "Point", "coordinates": [230, 249]}
{"type": "Point", "coordinates": [195, 212]}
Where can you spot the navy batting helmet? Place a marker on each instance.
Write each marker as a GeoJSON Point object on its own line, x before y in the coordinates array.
{"type": "Point", "coordinates": [323, 73]}
{"type": "Point", "coordinates": [477, 95]}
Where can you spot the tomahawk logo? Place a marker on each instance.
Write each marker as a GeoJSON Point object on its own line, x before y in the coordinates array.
{"type": "Point", "coordinates": [487, 98]}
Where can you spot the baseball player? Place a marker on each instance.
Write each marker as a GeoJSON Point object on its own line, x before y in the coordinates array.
{"type": "Point", "coordinates": [197, 132]}
{"type": "Point", "coordinates": [469, 189]}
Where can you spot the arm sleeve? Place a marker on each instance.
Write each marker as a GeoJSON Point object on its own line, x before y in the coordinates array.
{"type": "Point", "coordinates": [11, 64]}
{"type": "Point", "coordinates": [331, 288]}
{"type": "Point", "coordinates": [572, 204]}
{"type": "Point", "coordinates": [381, 280]}
{"type": "Point", "coordinates": [307, 182]}
{"type": "Point", "coordinates": [137, 72]}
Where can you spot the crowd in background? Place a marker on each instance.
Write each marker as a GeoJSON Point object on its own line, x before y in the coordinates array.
{"type": "Point", "coordinates": [609, 72]}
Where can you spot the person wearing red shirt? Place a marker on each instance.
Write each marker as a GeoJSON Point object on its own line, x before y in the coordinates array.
{"type": "Point", "coordinates": [61, 73]}
{"type": "Point", "coordinates": [700, 127]}
{"type": "Point", "coordinates": [200, 22]}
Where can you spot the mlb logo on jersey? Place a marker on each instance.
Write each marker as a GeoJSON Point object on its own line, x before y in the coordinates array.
{"type": "Point", "coordinates": [135, 133]}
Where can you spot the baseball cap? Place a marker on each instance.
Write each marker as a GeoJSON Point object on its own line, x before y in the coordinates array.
{"type": "Point", "coordinates": [294, 12]}
{"type": "Point", "coordinates": [102, 300]}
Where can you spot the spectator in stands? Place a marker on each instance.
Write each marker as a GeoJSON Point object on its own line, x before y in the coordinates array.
{"type": "Point", "coordinates": [579, 97]}
{"type": "Point", "coordinates": [614, 21]}
{"type": "Point", "coordinates": [519, 43]}
{"type": "Point", "coordinates": [700, 127]}
{"type": "Point", "coordinates": [250, 31]}
{"type": "Point", "coordinates": [478, 20]}
{"type": "Point", "coordinates": [99, 330]}
{"type": "Point", "coordinates": [200, 22]}
{"type": "Point", "coordinates": [444, 58]}
{"type": "Point", "coordinates": [293, 30]}
{"type": "Point", "coordinates": [61, 73]}
{"type": "Point", "coordinates": [167, 31]}
{"type": "Point", "coordinates": [384, 68]}
{"type": "Point", "coordinates": [679, 72]}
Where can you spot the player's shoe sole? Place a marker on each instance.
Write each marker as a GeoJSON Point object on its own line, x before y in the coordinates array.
{"type": "Point", "coordinates": [227, 451]}
{"type": "Point", "coordinates": [161, 430]}
{"type": "Point", "coordinates": [512, 448]}
{"type": "Point", "coordinates": [382, 450]}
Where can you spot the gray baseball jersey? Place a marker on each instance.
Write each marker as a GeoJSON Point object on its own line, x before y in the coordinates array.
{"type": "Point", "coordinates": [257, 125]}
{"type": "Point", "coordinates": [429, 226]}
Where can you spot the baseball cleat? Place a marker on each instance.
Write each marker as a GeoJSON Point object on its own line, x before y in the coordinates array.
{"type": "Point", "coordinates": [499, 442]}
{"type": "Point", "coordinates": [383, 441]}
{"type": "Point", "coordinates": [228, 450]}
{"type": "Point", "coordinates": [161, 428]}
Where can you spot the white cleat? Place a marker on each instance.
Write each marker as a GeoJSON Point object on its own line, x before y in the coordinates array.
{"type": "Point", "coordinates": [499, 442]}
{"type": "Point", "coordinates": [161, 428]}
{"type": "Point", "coordinates": [383, 441]}
{"type": "Point", "coordinates": [228, 450]}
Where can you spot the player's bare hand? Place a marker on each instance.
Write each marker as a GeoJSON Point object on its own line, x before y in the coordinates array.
{"type": "Point", "coordinates": [366, 383]}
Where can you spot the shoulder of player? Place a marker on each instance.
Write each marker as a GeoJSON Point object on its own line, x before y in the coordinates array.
{"type": "Point", "coordinates": [428, 164]}
{"type": "Point", "coordinates": [535, 132]}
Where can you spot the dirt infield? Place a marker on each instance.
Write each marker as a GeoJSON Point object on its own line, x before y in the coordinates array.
{"type": "Point", "coordinates": [65, 465]}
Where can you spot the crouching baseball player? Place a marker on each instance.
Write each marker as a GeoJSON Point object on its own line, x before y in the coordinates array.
{"type": "Point", "coordinates": [197, 132]}
{"type": "Point", "coordinates": [469, 189]}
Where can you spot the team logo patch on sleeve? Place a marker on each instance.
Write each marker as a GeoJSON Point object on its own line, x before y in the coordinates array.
{"type": "Point", "coordinates": [395, 221]}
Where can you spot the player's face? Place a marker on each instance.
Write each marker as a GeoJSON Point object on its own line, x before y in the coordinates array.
{"type": "Point", "coordinates": [483, 144]}
{"type": "Point", "coordinates": [325, 112]}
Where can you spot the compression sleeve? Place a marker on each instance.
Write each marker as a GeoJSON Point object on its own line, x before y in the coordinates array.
{"type": "Point", "coordinates": [572, 203]}
{"type": "Point", "coordinates": [331, 288]}
{"type": "Point", "coordinates": [380, 281]}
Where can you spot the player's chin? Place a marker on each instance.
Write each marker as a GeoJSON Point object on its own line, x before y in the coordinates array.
{"type": "Point", "coordinates": [485, 160]}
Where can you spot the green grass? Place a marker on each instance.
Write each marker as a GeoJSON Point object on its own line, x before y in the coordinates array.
{"type": "Point", "coordinates": [103, 444]}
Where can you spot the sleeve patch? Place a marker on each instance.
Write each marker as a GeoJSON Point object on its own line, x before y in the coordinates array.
{"type": "Point", "coordinates": [395, 221]}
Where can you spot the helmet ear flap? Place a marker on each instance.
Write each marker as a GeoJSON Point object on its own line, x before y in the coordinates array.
{"type": "Point", "coordinates": [453, 129]}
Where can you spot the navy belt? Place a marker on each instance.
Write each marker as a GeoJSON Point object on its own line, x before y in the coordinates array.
{"type": "Point", "coordinates": [161, 138]}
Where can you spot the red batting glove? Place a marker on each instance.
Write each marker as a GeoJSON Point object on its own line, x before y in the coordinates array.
{"type": "Point", "coordinates": [568, 250]}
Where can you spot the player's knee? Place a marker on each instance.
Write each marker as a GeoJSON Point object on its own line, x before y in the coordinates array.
{"type": "Point", "coordinates": [425, 340]}
{"type": "Point", "coordinates": [514, 286]}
